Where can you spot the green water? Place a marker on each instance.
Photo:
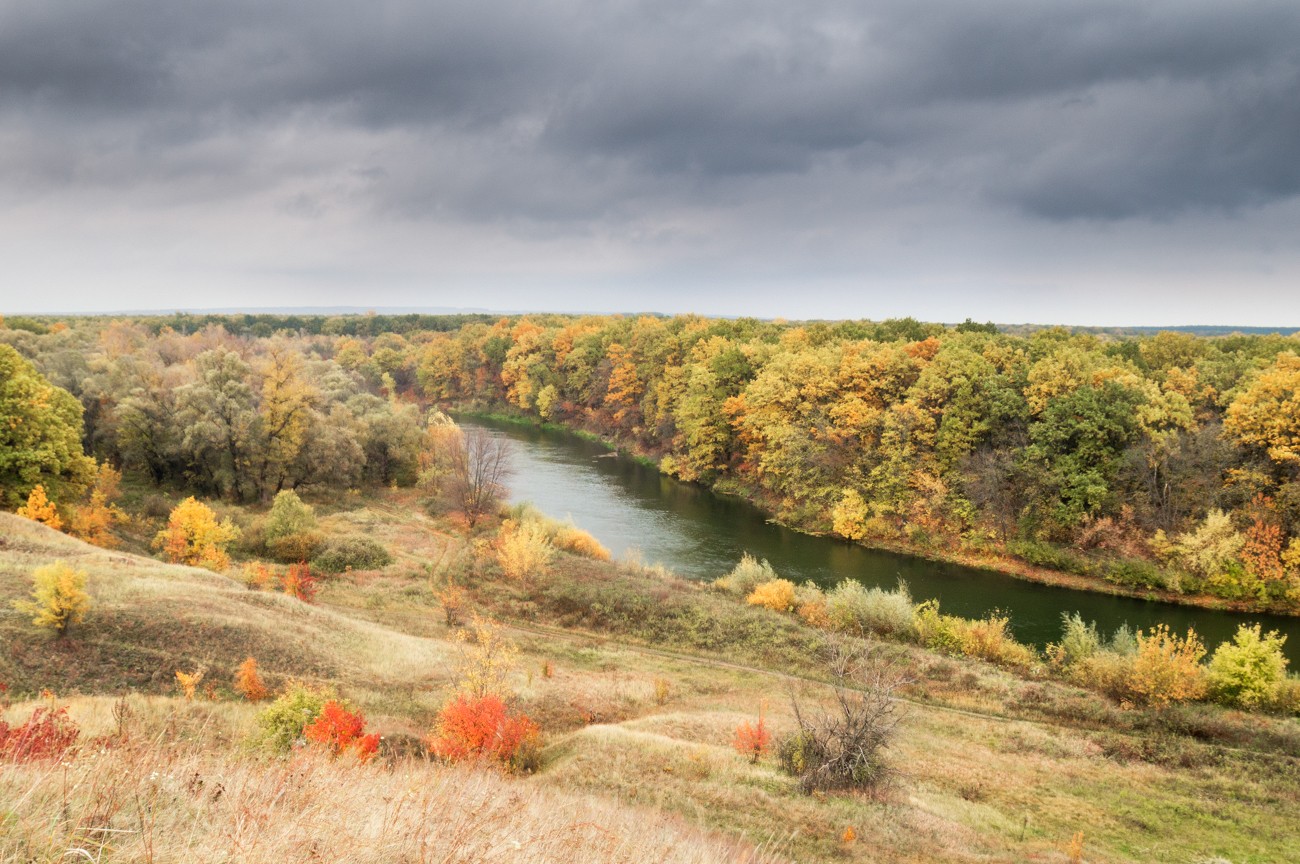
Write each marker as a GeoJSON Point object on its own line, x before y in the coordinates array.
{"type": "Point", "coordinates": [629, 506]}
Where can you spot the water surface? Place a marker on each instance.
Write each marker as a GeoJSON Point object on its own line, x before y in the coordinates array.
{"type": "Point", "coordinates": [632, 508]}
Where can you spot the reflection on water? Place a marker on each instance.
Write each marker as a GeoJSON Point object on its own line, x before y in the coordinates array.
{"type": "Point", "coordinates": [629, 506]}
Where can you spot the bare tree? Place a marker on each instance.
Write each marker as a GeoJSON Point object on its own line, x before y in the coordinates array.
{"type": "Point", "coordinates": [479, 467]}
{"type": "Point", "coordinates": [839, 746]}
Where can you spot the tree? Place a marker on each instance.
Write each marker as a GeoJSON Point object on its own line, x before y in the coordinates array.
{"type": "Point", "coordinates": [248, 681]}
{"type": "Point", "coordinates": [1267, 415]}
{"type": "Point", "coordinates": [93, 521]}
{"type": "Point", "coordinates": [40, 435]}
{"type": "Point", "coordinates": [194, 536]}
{"type": "Point", "coordinates": [479, 468]}
{"type": "Point", "coordinates": [289, 516]}
{"type": "Point", "coordinates": [41, 509]}
{"type": "Point", "coordinates": [59, 597]}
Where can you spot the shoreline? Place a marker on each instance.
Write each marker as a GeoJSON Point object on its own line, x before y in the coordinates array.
{"type": "Point", "coordinates": [1002, 565]}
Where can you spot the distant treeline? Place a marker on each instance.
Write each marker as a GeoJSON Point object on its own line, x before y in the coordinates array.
{"type": "Point", "coordinates": [1168, 460]}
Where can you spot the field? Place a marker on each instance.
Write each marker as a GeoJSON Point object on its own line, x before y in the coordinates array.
{"type": "Point", "coordinates": [638, 681]}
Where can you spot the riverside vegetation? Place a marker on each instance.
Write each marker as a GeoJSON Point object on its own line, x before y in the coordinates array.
{"type": "Point", "coordinates": [335, 675]}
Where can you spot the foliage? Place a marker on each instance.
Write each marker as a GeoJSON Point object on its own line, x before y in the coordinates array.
{"type": "Point", "coordinates": [288, 516]}
{"type": "Point", "coordinates": [523, 549]}
{"type": "Point", "coordinates": [843, 747]}
{"type": "Point", "coordinates": [188, 682]}
{"type": "Point", "coordinates": [194, 536]}
{"type": "Point", "coordinates": [47, 734]}
{"type": "Point", "coordinates": [281, 723]}
{"type": "Point", "coordinates": [298, 582]}
{"type": "Point", "coordinates": [341, 731]}
{"type": "Point", "coordinates": [41, 509]}
{"type": "Point", "coordinates": [777, 595]}
{"type": "Point", "coordinates": [1167, 668]}
{"type": "Point", "coordinates": [248, 681]}
{"type": "Point", "coordinates": [1079, 641]}
{"type": "Point", "coordinates": [480, 727]}
{"type": "Point", "coordinates": [1267, 415]}
{"type": "Point", "coordinates": [1248, 671]}
{"type": "Point", "coordinates": [572, 539]}
{"type": "Point", "coordinates": [753, 740]}
{"type": "Point", "coordinates": [746, 576]}
{"type": "Point", "coordinates": [59, 597]}
{"type": "Point", "coordinates": [853, 608]}
{"type": "Point", "coordinates": [351, 553]}
{"type": "Point", "coordinates": [94, 520]}
{"type": "Point", "coordinates": [487, 658]}
{"type": "Point", "coordinates": [40, 436]}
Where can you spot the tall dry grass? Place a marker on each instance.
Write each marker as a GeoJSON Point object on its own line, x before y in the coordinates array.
{"type": "Point", "coordinates": [173, 795]}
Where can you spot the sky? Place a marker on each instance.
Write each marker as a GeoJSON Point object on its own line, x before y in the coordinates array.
{"type": "Point", "coordinates": [1082, 162]}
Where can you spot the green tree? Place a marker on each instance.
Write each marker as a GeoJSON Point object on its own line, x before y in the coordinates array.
{"type": "Point", "coordinates": [59, 597]}
{"type": "Point", "coordinates": [40, 436]}
{"type": "Point", "coordinates": [1248, 670]}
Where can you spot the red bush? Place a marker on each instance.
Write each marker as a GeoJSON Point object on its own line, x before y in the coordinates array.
{"type": "Point", "coordinates": [752, 740]}
{"type": "Point", "coordinates": [47, 734]}
{"type": "Point", "coordinates": [341, 730]}
{"type": "Point", "coordinates": [480, 727]}
{"type": "Point", "coordinates": [299, 582]}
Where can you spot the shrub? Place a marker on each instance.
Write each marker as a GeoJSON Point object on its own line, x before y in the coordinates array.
{"type": "Point", "coordinates": [990, 639]}
{"type": "Point", "coordinates": [854, 608]}
{"type": "Point", "coordinates": [777, 595]}
{"type": "Point", "coordinates": [59, 597]}
{"type": "Point", "coordinates": [282, 722]}
{"type": "Point", "coordinates": [842, 748]}
{"type": "Point", "coordinates": [1136, 573]}
{"type": "Point", "coordinates": [752, 739]}
{"type": "Point", "coordinates": [41, 509]}
{"type": "Point", "coordinates": [746, 576]}
{"type": "Point", "coordinates": [1079, 641]}
{"type": "Point", "coordinates": [487, 658]}
{"type": "Point", "coordinates": [248, 683]}
{"type": "Point", "coordinates": [288, 516]}
{"type": "Point", "coordinates": [523, 549]}
{"type": "Point", "coordinates": [293, 548]}
{"type": "Point", "coordinates": [811, 606]}
{"type": "Point", "coordinates": [351, 553]}
{"type": "Point", "coordinates": [575, 540]}
{"type": "Point", "coordinates": [94, 520]}
{"type": "Point", "coordinates": [1105, 671]}
{"type": "Point", "coordinates": [258, 576]}
{"type": "Point", "coordinates": [341, 731]}
{"type": "Point", "coordinates": [1249, 670]}
{"type": "Point", "coordinates": [1046, 555]}
{"type": "Point", "coordinates": [47, 734]}
{"type": "Point", "coordinates": [937, 631]}
{"type": "Point", "coordinates": [193, 536]}
{"type": "Point", "coordinates": [1166, 668]}
{"type": "Point", "coordinates": [189, 681]}
{"type": "Point", "coordinates": [480, 727]}
{"type": "Point", "coordinates": [298, 582]}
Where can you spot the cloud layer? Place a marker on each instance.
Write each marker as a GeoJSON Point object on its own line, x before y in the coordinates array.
{"type": "Point", "coordinates": [938, 160]}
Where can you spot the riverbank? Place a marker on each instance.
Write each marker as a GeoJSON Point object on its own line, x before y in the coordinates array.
{"type": "Point", "coordinates": [990, 561]}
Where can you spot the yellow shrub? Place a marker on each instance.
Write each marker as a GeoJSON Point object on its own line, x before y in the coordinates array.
{"type": "Point", "coordinates": [778, 594]}
{"type": "Point", "coordinates": [59, 597]}
{"type": "Point", "coordinates": [990, 639]}
{"type": "Point", "coordinates": [194, 536]}
{"type": "Point", "coordinates": [523, 549]}
{"type": "Point", "coordinates": [1167, 668]}
{"type": "Point", "coordinates": [579, 542]}
{"type": "Point", "coordinates": [40, 508]}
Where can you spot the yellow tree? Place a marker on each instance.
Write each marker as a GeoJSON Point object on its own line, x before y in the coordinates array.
{"type": "Point", "coordinates": [1267, 414]}
{"type": "Point", "coordinates": [93, 521]}
{"type": "Point", "coordinates": [59, 597]}
{"type": "Point", "coordinates": [194, 536]}
{"type": "Point", "coordinates": [284, 415]}
{"type": "Point", "coordinates": [41, 509]}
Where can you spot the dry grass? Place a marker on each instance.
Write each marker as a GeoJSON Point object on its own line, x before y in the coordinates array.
{"type": "Point", "coordinates": [156, 798]}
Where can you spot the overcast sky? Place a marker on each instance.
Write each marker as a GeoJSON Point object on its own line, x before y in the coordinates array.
{"type": "Point", "coordinates": [1077, 162]}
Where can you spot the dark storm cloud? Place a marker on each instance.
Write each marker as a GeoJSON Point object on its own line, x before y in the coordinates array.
{"type": "Point", "coordinates": [1101, 109]}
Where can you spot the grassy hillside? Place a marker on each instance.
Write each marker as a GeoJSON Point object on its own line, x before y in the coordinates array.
{"type": "Point", "coordinates": [638, 680]}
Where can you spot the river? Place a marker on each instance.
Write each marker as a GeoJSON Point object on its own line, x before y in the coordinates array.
{"type": "Point", "coordinates": [632, 508]}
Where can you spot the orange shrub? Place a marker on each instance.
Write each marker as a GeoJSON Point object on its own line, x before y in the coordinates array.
{"type": "Point", "coordinates": [341, 731]}
{"type": "Point", "coordinates": [752, 740]}
{"type": "Point", "coordinates": [47, 734]}
{"type": "Point", "coordinates": [298, 581]}
{"type": "Point", "coordinates": [41, 509]}
{"type": "Point", "coordinates": [579, 542]}
{"type": "Point", "coordinates": [194, 536]}
{"type": "Point", "coordinates": [480, 727]}
{"type": "Point", "coordinates": [248, 683]}
{"type": "Point", "coordinates": [258, 576]}
{"type": "Point", "coordinates": [1167, 668]}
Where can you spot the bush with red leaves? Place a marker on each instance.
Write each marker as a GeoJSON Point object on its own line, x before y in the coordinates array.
{"type": "Point", "coordinates": [341, 731]}
{"type": "Point", "coordinates": [480, 727]}
{"type": "Point", "coordinates": [298, 581]}
{"type": "Point", "coordinates": [47, 734]}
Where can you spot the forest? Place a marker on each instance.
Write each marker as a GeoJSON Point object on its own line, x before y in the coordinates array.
{"type": "Point", "coordinates": [1166, 462]}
